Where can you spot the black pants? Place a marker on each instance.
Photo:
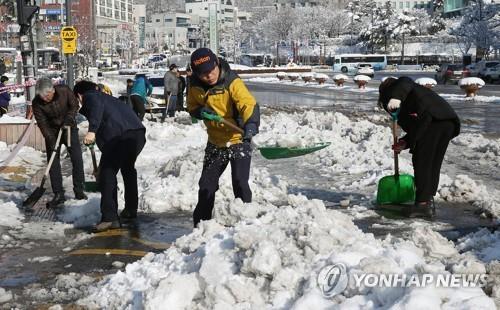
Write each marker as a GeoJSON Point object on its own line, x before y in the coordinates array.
{"type": "Point", "coordinates": [215, 162]}
{"type": "Point", "coordinates": [75, 153]}
{"type": "Point", "coordinates": [138, 105]}
{"type": "Point", "coordinates": [120, 154]}
{"type": "Point", "coordinates": [428, 156]}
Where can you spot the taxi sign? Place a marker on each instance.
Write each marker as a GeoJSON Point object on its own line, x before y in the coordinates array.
{"type": "Point", "coordinates": [68, 39]}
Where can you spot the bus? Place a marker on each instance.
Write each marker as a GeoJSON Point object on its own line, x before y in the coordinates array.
{"type": "Point", "coordinates": [49, 58]}
{"type": "Point", "coordinates": [347, 62]}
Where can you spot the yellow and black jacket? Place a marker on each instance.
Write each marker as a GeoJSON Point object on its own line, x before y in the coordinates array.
{"type": "Point", "coordinates": [230, 99]}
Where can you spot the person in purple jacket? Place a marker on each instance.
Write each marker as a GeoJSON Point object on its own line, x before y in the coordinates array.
{"type": "Point", "coordinates": [4, 96]}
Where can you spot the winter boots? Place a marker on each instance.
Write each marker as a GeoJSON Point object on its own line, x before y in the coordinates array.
{"type": "Point", "coordinates": [424, 209]}
{"type": "Point", "coordinates": [103, 226]}
{"type": "Point", "coordinates": [57, 201]}
{"type": "Point", "coordinates": [127, 216]}
{"type": "Point", "coordinates": [80, 195]}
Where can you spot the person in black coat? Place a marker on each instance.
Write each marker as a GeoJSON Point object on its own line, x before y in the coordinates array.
{"type": "Point", "coordinates": [430, 123]}
{"type": "Point", "coordinates": [120, 135]}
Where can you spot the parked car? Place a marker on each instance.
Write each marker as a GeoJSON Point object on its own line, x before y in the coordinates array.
{"type": "Point", "coordinates": [473, 69]}
{"type": "Point", "coordinates": [157, 97]}
{"type": "Point", "coordinates": [451, 73]}
{"type": "Point", "coordinates": [365, 69]}
{"type": "Point", "coordinates": [491, 74]}
{"type": "Point", "coordinates": [484, 66]}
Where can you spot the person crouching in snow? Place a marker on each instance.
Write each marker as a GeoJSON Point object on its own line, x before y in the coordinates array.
{"type": "Point", "coordinates": [430, 123]}
{"type": "Point", "coordinates": [215, 89]}
{"type": "Point", "coordinates": [120, 136]}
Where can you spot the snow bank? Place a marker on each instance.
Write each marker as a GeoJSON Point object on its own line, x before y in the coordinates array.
{"type": "Point", "coordinates": [271, 259]}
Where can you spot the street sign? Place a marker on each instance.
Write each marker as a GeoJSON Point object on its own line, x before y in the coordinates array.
{"type": "Point", "coordinates": [68, 40]}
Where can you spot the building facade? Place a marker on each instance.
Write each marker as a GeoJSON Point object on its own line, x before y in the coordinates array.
{"type": "Point", "coordinates": [225, 11]}
{"type": "Point", "coordinates": [167, 31]}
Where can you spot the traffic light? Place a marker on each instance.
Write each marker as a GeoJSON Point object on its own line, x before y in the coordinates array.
{"type": "Point", "coordinates": [25, 12]}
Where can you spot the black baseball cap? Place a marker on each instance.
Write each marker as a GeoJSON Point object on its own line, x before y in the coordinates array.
{"type": "Point", "coordinates": [203, 60]}
{"type": "Point", "coordinates": [172, 67]}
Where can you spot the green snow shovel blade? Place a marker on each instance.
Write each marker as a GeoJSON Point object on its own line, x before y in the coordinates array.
{"type": "Point", "coordinates": [270, 152]}
{"type": "Point", "coordinates": [92, 186]}
{"type": "Point", "coordinates": [287, 152]}
{"type": "Point", "coordinates": [397, 188]}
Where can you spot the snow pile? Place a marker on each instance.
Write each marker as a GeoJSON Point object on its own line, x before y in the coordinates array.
{"type": "Point", "coordinates": [7, 119]}
{"type": "Point", "coordinates": [485, 151]}
{"type": "Point", "coordinates": [361, 77]}
{"type": "Point", "coordinates": [471, 81]}
{"type": "Point", "coordinates": [321, 76]}
{"type": "Point", "coordinates": [464, 189]}
{"type": "Point", "coordinates": [426, 81]}
{"type": "Point", "coordinates": [307, 75]}
{"type": "Point", "coordinates": [11, 216]}
{"type": "Point", "coordinates": [67, 288]}
{"type": "Point", "coordinates": [293, 75]}
{"type": "Point", "coordinates": [340, 77]}
{"type": "Point", "coordinates": [5, 295]}
{"type": "Point", "coordinates": [281, 74]}
{"type": "Point", "coordinates": [271, 259]}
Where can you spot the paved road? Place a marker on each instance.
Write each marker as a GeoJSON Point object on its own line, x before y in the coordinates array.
{"type": "Point", "coordinates": [477, 116]}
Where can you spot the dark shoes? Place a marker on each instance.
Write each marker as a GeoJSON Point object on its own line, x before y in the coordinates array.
{"type": "Point", "coordinates": [104, 226]}
{"type": "Point", "coordinates": [127, 216]}
{"type": "Point", "coordinates": [80, 195]}
{"type": "Point", "coordinates": [57, 201]}
{"type": "Point", "coordinates": [423, 209]}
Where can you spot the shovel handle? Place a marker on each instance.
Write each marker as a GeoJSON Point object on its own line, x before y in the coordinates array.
{"type": "Point", "coordinates": [56, 149]}
{"type": "Point", "coordinates": [234, 127]}
{"type": "Point", "coordinates": [94, 160]}
{"type": "Point", "coordinates": [68, 136]}
{"type": "Point", "coordinates": [395, 140]}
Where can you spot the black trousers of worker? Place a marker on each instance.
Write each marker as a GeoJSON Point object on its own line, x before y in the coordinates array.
{"type": "Point", "coordinates": [215, 162]}
{"type": "Point", "coordinates": [138, 105]}
{"type": "Point", "coordinates": [428, 156]}
{"type": "Point", "coordinates": [120, 154]}
{"type": "Point", "coordinates": [75, 153]}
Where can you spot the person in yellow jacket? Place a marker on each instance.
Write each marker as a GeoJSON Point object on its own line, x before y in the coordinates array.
{"type": "Point", "coordinates": [215, 89]}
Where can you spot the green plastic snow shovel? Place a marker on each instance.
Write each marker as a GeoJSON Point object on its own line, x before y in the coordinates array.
{"type": "Point", "coordinates": [397, 188]}
{"type": "Point", "coordinates": [92, 186]}
{"type": "Point", "coordinates": [270, 152]}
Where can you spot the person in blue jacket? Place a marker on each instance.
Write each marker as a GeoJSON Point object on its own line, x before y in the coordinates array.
{"type": "Point", "coordinates": [138, 93]}
{"type": "Point", "coordinates": [120, 136]}
{"type": "Point", "coordinates": [4, 96]}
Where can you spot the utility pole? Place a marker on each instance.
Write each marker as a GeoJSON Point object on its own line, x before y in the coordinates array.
{"type": "Point", "coordinates": [69, 68]}
{"type": "Point", "coordinates": [25, 13]}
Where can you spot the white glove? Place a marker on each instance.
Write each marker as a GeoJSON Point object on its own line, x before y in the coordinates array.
{"type": "Point", "coordinates": [393, 104]}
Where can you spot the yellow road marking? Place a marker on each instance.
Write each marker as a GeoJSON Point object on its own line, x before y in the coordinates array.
{"type": "Point", "coordinates": [126, 232]}
{"type": "Point", "coordinates": [112, 232]}
{"type": "Point", "coordinates": [110, 251]}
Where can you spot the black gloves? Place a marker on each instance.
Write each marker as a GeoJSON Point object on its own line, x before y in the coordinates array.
{"type": "Point", "coordinates": [250, 131]}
